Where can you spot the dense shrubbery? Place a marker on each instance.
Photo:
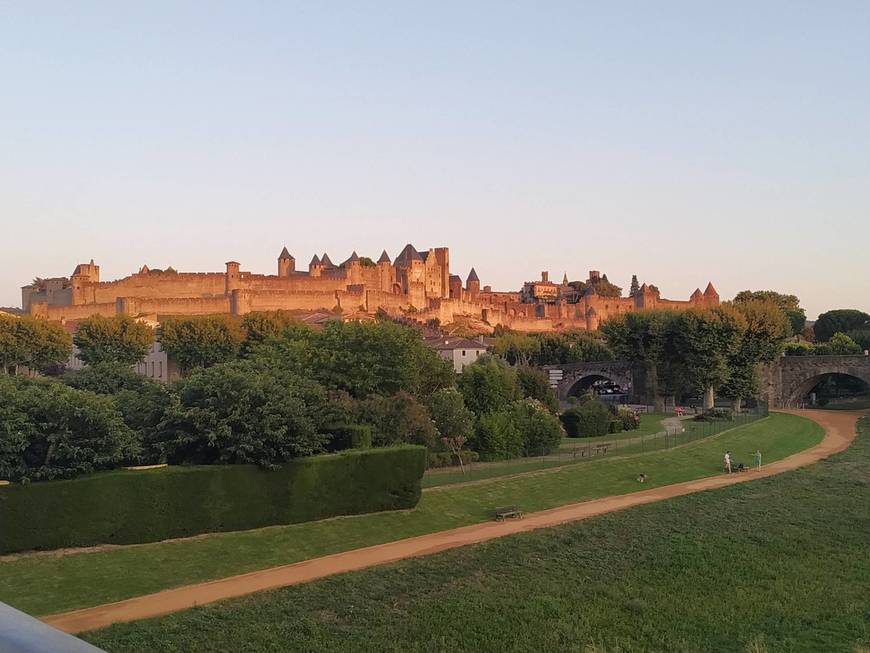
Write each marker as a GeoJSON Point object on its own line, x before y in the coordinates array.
{"type": "Point", "coordinates": [840, 344]}
{"type": "Point", "coordinates": [550, 348]}
{"type": "Point", "coordinates": [49, 431]}
{"type": "Point", "coordinates": [715, 415]}
{"type": "Point", "coordinates": [589, 419]}
{"type": "Point", "coordinates": [33, 343]}
{"type": "Point", "coordinates": [125, 507]}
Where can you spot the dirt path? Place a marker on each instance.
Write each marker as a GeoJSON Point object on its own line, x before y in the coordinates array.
{"type": "Point", "coordinates": [839, 432]}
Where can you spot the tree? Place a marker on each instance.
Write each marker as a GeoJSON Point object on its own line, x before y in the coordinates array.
{"type": "Point", "coordinates": [861, 336]}
{"type": "Point", "coordinates": [540, 429]}
{"type": "Point", "coordinates": [641, 337]}
{"type": "Point", "coordinates": [106, 378]}
{"type": "Point", "coordinates": [262, 325]}
{"type": "Point", "coordinates": [488, 385]}
{"type": "Point", "coordinates": [761, 341]}
{"type": "Point", "coordinates": [516, 348]}
{"type": "Point", "coordinates": [116, 339]}
{"type": "Point", "coordinates": [788, 304]}
{"type": "Point", "coordinates": [706, 341]}
{"type": "Point", "coordinates": [535, 384]}
{"type": "Point", "coordinates": [398, 418]}
{"type": "Point", "coordinates": [842, 345]}
{"type": "Point", "coordinates": [50, 431]}
{"type": "Point", "coordinates": [840, 321]}
{"type": "Point", "coordinates": [31, 342]}
{"type": "Point", "coordinates": [233, 413]}
{"type": "Point", "coordinates": [449, 413]}
{"type": "Point", "coordinates": [497, 436]}
{"type": "Point", "coordinates": [635, 286]}
{"type": "Point", "coordinates": [201, 341]}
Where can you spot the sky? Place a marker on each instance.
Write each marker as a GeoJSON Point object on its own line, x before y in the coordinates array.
{"type": "Point", "coordinates": [684, 142]}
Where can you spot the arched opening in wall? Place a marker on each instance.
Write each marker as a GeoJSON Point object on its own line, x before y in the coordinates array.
{"type": "Point", "coordinates": [603, 387]}
{"type": "Point", "coordinates": [397, 289]}
{"type": "Point", "coordinates": [834, 390]}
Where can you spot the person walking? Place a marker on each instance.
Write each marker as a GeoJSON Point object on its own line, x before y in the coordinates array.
{"type": "Point", "coordinates": [728, 461]}
{"type": "Point", "coordinates": [758, 460]}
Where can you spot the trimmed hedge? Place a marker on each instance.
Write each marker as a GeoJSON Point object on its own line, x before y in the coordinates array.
{"type": "Point", "coordinates": [128, 507]}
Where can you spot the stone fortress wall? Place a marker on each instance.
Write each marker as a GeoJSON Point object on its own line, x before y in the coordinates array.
{"type": "Point", "coordinates": [416, 284]}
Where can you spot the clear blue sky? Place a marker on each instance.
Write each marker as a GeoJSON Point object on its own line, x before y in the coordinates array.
{"type": "Point", "coordinates": [681, 141]}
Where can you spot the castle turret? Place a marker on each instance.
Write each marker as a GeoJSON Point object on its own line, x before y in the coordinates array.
{"type": "Point", "coordinates": [455, 286]}
{"type": "Point", "coordinates": [697, 297]}
{"type": "Point", "coordinates": [472, 284]}
{"type": "Point", "coordinates": [352, 268]}
{"type": "Point", "coordinates": [232, 276]}
{"type": "Point", "coordinates": [315, 267]}
{"type": "Point", "coordinates": [325, 262]}
{"type": "Point", "coordinates": [592, 319]}
{"type": "Point", "coordinates": [286, 263]}
{"type": "Point", "coordinates": [385, 272]}
{"type": "Point", "coordinates": [710, 295]}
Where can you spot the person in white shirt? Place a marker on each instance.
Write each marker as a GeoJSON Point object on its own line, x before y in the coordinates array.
{"type": "Point", "coordinates": [728, 461]}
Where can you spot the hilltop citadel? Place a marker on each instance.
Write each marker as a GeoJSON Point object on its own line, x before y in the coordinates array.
{"type": "Point", "coordinates": [417, 284]}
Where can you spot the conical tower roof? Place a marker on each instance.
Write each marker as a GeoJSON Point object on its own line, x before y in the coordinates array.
{"type": "Point", "coordinates": [710, 289]}
{"type": "Point", "coordinates": [408, 254]}
{"type": "Point", "coordinates": [325, 262]}
{"type": "Point", "coordinates": [472, 276]}
{"type": "Point", "coordinates": [385, 258]}
{"type": "Point", "coordinates": [315, 260]}
{"type": "Point", "coordinates": [284, 254]}
{"type": "Point", "coordinates": [353, 258]}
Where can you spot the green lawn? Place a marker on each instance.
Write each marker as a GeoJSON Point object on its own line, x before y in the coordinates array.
{"type": "Point", "coordinates": [779, 564]}
{"type": "Point", "coordinates": [42, 584]}
{"type": "Point", "coordinates": [584, 450]}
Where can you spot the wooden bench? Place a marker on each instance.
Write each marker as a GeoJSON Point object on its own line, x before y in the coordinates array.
{"type": "Point", "coordinates": [508, 512]}
{"type": "Point", "coordinates": [601, 448]}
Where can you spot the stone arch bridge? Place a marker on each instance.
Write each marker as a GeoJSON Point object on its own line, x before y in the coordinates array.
{"type": "Point", "coordinates": [572, 379]}
{"type": "Point", "coordinates": [784, 383]}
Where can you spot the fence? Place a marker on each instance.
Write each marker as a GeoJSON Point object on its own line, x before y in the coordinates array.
{"type": "Point", "coordinates": [578, 450]}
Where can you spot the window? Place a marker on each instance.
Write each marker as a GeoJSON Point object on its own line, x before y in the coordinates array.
{"type": "Point", "coordinates": [463, 352]}
{"type": "Point", "coordinates": [160, 375]}
{"type": "Point", "coordinates": [152, 369]}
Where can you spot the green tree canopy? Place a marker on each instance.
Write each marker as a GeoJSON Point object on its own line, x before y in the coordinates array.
{"type": "Point", "coordinates": [116, 339]}
{"type": "Point", "coordinates": [236, 413]}
{"type": "Point", "coordinates": [788, 304]}
{"type": "Point", "coordinates": [31, 342]}
{"type": "Point", "coordinates": [841, 320]}
{"type": "Point", "coordinates": [489, 385]}
{"type": "Point", "coordinates": [201, 341]}
{"type": "Point", "coordinates": [50, 431]}
{"type": "Point", "coordinates": [450, 415]}
{"type": "Point", "coordinates": [761, 341]}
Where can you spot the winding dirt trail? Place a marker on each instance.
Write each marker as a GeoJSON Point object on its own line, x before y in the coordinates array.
{"type": "Point", "coordinates": [839, 433]}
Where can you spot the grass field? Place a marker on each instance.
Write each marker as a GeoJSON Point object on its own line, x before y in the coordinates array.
{"type": "Point", "coordinates": [46, 583]}
{"type": "Point", "coordinates": [651, 436]}
{"type": "Point", "coordinates": [779, 564]}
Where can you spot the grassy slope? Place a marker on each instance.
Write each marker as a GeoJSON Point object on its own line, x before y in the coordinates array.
{"type": "Point", "coordinates": [780, 564]}
{"type": "Point", "coordinates": [42, 584]}
{"type": "Point", "coordinates": [647, 438]}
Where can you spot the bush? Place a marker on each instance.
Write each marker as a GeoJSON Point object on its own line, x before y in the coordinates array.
{"type": "Point", "coordinates": [489, 385]}
{"type": "Point", "coordinates": [534, 384]}
{"type": "Point", "coordinates": [234, 413]}
{"type": "Point", "coordinates": [130, 507]}
{"type": "Point", "coordinates": [398, 419]}
{"type": "Point", "coordinates": [50, 431]}
{"type": "Point", "coordinates": [615, 426]}
{"type": "Point", "coordinates": [540, 430]}
{"type": "Point", "coordinates": [117, 339]}
{"type": "Point", "coordinates": [349, 436]}
{"type": "Point", "coordinates": [715, 415]}
{"type": "Point", "coordinates": [798, 349]}
{"type": "Point", "coordinates": [630, 419]}
{"type": "Point", "coordinates": [449, 459]}
{"type": "Point", "coordinates": [451, 417]}
{"type": "Point", "coordinates": [497, 436]}
{"type": "Point", "coordinates": [589, 419]}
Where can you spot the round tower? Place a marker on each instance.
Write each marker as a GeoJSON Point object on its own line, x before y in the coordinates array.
{"type": "Point", "coordinates": [472, 285]}
{"type": "Point", "coordinates": [233, 276]}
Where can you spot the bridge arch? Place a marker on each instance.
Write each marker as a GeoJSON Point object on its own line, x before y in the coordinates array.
{"type": "Point", "coordinates": [800, 374]}
{"type": "Point", "coordinates": [572, 379]}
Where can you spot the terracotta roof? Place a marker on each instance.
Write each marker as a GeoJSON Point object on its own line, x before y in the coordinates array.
{"type": "Point", "coordinates": [443, 343]}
